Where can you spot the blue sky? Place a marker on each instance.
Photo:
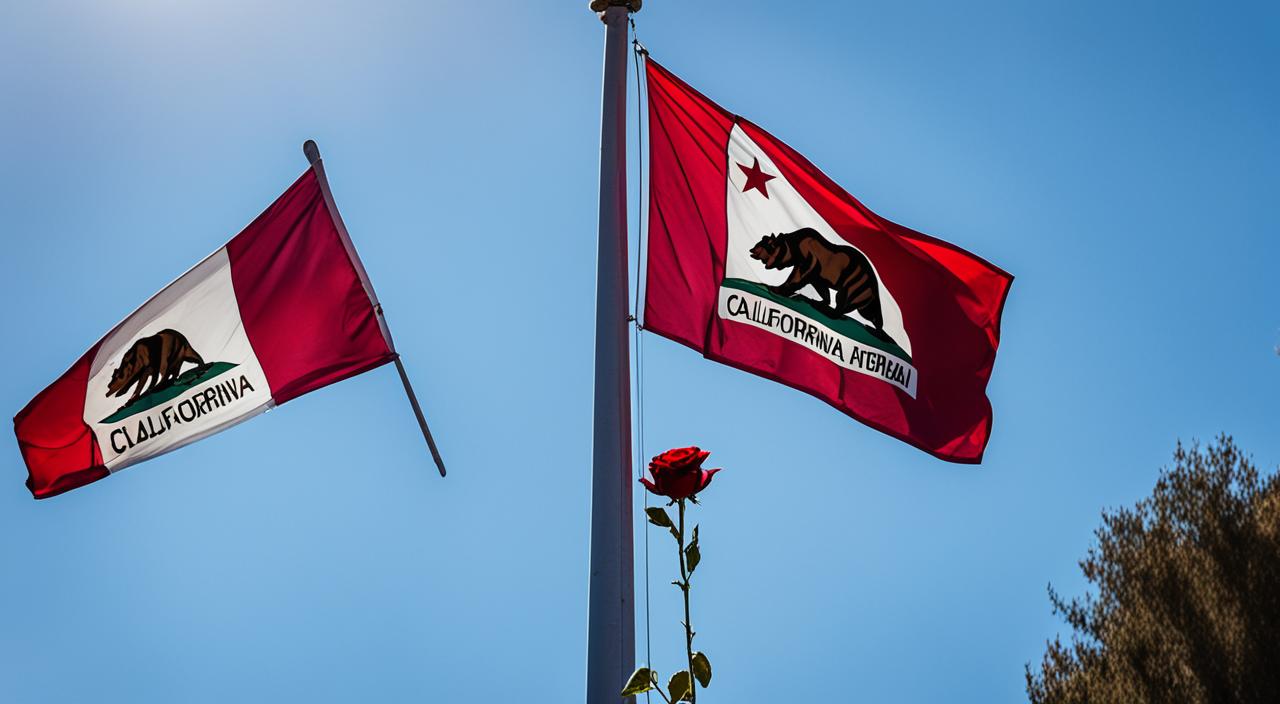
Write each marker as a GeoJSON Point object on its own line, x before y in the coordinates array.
{"type": "Point", "coordinates": [1121, 161]}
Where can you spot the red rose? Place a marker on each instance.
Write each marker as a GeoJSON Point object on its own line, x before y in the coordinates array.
{"type": "Point", "coordinates": [678, 473]}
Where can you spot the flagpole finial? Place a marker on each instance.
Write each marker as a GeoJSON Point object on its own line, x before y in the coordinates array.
{"type": "Point", "coordinates": [311, 150]}
{"type": "Point", "coordinates": [632, 6]}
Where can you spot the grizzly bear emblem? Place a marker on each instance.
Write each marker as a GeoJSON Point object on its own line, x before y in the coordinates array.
{"type": "Point", "coordinates": [828, 268]}
{"type": "Point", "coordinates": [155, 360]}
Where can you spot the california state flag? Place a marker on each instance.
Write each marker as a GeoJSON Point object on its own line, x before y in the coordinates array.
{"type": "Point", "coordinates": [756, 259]}
{"type": "Point", "coordinates": [284, 308]}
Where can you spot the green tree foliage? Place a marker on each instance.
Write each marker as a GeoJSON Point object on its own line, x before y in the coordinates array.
{"type": "Point", "coordinates": [1187, 602]}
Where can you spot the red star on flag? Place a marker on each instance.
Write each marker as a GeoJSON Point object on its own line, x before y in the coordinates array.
{"type": "Point", "coordinates": [756, 178]}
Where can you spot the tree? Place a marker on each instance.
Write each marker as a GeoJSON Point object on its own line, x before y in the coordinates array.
{"type": "Point", "coordinates": [1187, 603]}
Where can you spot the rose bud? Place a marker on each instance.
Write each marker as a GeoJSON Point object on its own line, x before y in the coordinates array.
{"type": "Point", "coordinates": [678, 474]}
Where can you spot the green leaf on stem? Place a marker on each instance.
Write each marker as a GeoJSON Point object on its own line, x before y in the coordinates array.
{"type": "Point", "coordinates": [658, 517]}
{"type": "Point", "coordinates": [675, 533]}
{"type": "Point", "coordinates": [641, 681]}
{"type": "Point", "coordinates": [680, 686]}
{"type": "Point", "coordinates": [702, 668]}
{"type": "Point", "coordinates": [692, 554]}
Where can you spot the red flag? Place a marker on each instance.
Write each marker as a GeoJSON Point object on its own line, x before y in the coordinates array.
{"type": "Point", "coordinates": [283, 309]}
{"type": "Point", "coordinates": [760, 261]}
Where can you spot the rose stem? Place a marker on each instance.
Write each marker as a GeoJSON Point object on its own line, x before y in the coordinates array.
{"type": "Point", "coordinates": [688, 627]}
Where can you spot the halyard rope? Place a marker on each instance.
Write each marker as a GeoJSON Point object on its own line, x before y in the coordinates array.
{"type": "Point", "coordinates": [639, 50]}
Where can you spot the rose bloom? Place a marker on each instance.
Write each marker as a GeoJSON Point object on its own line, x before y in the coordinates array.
{"type": "Point", "coordinates": [678, 473]}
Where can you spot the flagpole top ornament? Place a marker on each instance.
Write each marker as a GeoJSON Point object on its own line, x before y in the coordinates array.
{"type": "Point", "coordinates": [602, 5]}
{"type": "Point", "coordinates": [311, 150]}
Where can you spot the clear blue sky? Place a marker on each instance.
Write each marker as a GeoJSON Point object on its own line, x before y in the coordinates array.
{"type": "Point", "coordinates": [1119, 159]}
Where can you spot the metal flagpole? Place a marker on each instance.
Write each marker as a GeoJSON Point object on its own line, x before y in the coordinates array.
{"type": "Point", "coordinates": [312, 152]}
{"type": "Point", "coordinates": [611, 604]}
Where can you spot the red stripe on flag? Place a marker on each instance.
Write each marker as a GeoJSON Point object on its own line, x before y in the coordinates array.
{"type": "Point", "coordinates": [686, 248]}
{"type": "Point", "coordinates": [59, 448]}
{"type": "Point", "coordinates": [303, 306]}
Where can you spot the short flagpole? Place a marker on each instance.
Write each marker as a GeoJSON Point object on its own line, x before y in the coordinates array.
{"type": "Point", "coordinates": [312, 152]}
{"type": "Point", "coordinates": [417, 412]}
{"type": "Point", "coordinates": [611, 587]}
